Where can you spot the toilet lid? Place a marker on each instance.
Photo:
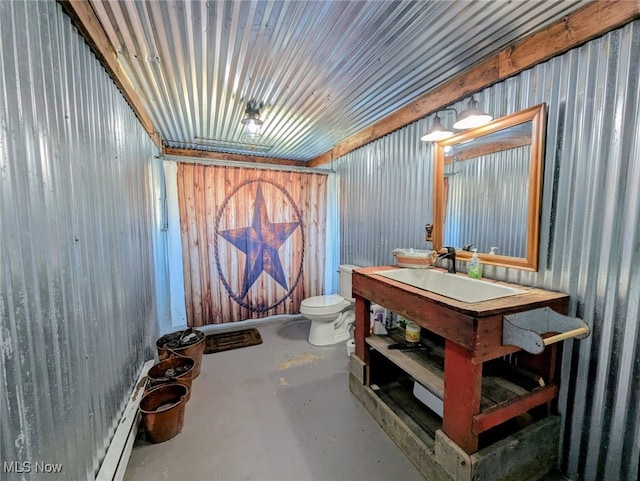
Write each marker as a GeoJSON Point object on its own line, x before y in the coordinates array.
{"type": "Point", "coordinates": [323, 301]}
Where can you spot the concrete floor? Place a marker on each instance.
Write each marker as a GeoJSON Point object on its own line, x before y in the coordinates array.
{"type": "Point", "coordinates": [278, 411]}
{"type": "Point", "coordinates": [281, 411]}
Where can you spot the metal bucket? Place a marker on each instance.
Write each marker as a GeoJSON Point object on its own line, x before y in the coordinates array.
{"type": "Point", "coordinates": [163, 411]}
{"type": "Point", "coordinates": [172, 370]}
{"type": "Point", "coordinates": [182, 344]}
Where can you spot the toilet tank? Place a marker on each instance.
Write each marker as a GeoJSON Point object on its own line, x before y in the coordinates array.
{"type": "Point", "coordinates": [344, 280]}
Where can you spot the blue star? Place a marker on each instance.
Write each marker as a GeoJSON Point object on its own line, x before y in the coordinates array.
{"type": "Point", "coordinates": [260, 242]}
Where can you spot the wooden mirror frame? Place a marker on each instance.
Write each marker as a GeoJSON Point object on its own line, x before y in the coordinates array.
{"type": "Point", "coordinates": [537, 116]}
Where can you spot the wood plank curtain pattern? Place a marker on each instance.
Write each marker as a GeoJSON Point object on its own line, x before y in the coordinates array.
{"type": "Point", "coordinates": [253, 241]}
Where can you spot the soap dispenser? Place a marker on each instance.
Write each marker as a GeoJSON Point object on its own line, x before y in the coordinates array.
{"type": "Point", "coordinates": [475, 268]}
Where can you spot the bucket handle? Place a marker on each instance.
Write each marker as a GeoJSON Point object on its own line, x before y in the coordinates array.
{"type": "Point", "coordinates": [160, 386]}
{"type": "Point", "coordinates": [175, 353]}
{"type": "Point", "coordinates": [149, 386]}
{"type": "Point", "coordinates": [174, 378]}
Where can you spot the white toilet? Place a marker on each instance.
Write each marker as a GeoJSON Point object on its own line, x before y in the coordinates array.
{"type": "Point", "coordinates": [332, 315]}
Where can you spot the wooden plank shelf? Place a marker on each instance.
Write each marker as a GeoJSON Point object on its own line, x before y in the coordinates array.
{"type": "Point", "coordinates": [426, 367]}
{"type": "Point", "coordinates": [422, 422]}
{"type": "Point", "coordinates": [502, 384]}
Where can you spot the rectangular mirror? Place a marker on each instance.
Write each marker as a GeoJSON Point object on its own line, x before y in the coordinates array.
{"type": "Point", "coordinates": [488, 187]}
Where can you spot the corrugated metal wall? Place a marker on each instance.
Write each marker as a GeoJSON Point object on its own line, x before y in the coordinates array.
{"type": "Point", "coordinates": [590, 232]}
{"type": "Point", "coordinates": [386, 196]}
{"type": "Point", "coordinates": [78, 212]}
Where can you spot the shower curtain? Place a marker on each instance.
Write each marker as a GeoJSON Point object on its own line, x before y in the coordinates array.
{"type": "Point", "coordinates": [253, 241]}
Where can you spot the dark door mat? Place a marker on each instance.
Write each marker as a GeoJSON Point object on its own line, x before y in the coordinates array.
{"type": "Point", "coordinates": [231, 340]}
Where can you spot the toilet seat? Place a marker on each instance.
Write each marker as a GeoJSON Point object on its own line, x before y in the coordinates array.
{"type": "Point", "coordinates": [330, 302]}
{"type": "Point", "coordinates": [324, 308]}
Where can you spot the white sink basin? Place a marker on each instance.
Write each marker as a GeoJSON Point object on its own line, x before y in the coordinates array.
{"type": "Point", "coordinates": [461, 288]}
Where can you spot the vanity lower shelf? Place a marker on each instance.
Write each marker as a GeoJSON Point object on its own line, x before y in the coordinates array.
{"type": "Point", "coordinates": [531, 449]}
{"type": "Point", "coordinates": [503, 385]}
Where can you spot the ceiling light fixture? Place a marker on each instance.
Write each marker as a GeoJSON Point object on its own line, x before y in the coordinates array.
{"type": "Point", "coordinates": [228, 145]}
{"type": "Point", "coordinates": [251, 121]}
{"type": "Point", "coordinates": [472, 117]}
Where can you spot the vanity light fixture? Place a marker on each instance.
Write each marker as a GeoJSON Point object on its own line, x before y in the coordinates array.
{"type": "Point", "coordinates": [251, 121]}
{"type": "Point", "coordinates": [472, 117]}
{"type": "Point", "coordinates": [467, 119]}
{"type": "Point", "coordinates": [437, 130]}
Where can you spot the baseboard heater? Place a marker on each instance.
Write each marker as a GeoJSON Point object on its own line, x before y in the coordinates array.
{"type": "Point", "coordinates": [115, 461]}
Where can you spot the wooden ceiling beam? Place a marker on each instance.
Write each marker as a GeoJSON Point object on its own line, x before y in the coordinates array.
{"type": "Point", "coordinates": [86, 21]}
{"type": "Point", "coordinates": [207, 155]}
{"type": "Point", "coordinates": [575, 29]}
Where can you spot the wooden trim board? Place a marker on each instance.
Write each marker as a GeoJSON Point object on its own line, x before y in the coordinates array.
{"type": "Point", "coordinates": [225, 156]}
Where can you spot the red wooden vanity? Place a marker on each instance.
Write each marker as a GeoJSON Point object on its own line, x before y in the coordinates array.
{"type": "Point", "coordinates": [472, 334]}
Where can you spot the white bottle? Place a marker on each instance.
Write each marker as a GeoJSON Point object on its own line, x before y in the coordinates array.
{"type": "Point", "coordinates": [475, 268]}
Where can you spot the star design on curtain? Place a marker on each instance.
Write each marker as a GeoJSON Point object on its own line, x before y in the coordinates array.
{"type": "Point", "coordinates": [260, 242]}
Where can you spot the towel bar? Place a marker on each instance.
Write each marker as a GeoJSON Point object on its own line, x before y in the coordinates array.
{"type": "Point", "coordinates": [525, 329]}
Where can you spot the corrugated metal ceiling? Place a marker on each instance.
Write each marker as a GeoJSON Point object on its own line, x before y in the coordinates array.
{"type": "Point", "coordinates": [323, 69]}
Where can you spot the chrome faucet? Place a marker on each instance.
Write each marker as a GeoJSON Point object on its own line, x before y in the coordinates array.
{"type": "Point", "coordinates": [450, 254]}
